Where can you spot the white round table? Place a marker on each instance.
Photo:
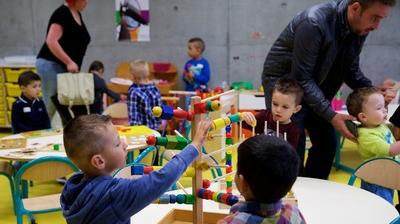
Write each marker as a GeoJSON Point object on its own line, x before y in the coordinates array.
{"type": "Point", "coordinates": [320, 201]}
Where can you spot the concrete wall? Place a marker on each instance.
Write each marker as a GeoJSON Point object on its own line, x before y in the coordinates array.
{"type": "Point", "coordinates": [238, 34]}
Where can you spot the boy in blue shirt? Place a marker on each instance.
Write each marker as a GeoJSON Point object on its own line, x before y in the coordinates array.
{"type": "Point", "coordinates": [93, 195]}
{"type": "Point", "coordinates": [28, 111]}
{"type": "Point", "coordinates": [196, 72]}
{"type": "Point", "coordinates": [267, 168]}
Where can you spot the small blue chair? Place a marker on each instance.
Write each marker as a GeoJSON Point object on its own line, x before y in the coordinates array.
{"type": "Point", "coordinates": [42, 169]}
{"type": "Point", "coordinates": [396, 220]}
{"type": "Point", "coordinates": [381, 171]}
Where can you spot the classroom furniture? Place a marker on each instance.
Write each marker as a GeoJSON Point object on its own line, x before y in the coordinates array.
{"type": "Point", "coordinates": [320, 201]}
{"type": "Point", "coordinates": [118, 113]}
{"type": "Point", "coordinates": [9, 89]}
{"type": "Point", "coordinates": [41, 169]}
{"type": "Point", "coordinates": [381, 171]}
{"type": "Point", "coordinates": [7, 171]}
{"type": "Point", "coordinates": [165, 71]}
{"type": "Point", "coordinates": [396, 220]}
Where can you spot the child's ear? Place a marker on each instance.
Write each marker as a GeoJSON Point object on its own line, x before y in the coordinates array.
{"type": "Point", "coordinates": [297, 108]}
{"type": "Point", "coordinates": [98, 161]}
{"type": "Point", "coordinates": [362, 117]}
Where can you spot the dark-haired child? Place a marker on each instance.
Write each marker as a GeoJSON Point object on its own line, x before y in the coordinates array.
{"type": "Point", "coordinates": [286, 100]}
{"type": "Point", "coordinates": [28, 111]}
{"type": "Point", "coordinates": [196, 72]}
{"type": "Point", "coordinates": [267, 168]}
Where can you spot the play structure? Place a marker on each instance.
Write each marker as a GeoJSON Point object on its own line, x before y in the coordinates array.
{"type": "Point", "coordinates": [225, 135]}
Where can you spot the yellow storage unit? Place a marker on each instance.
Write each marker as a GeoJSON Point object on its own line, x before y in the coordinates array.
{"type": "Point", "coordinates": [12, 74]}
{"type": "Point", "coordinates": [10, 101]}
{"type": "Point", "coordinates": [13, 89]}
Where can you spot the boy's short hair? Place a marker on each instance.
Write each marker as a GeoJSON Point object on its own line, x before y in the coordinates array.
{"type": "Point", "coordinates": [289, 86]}
{"type": "Point", "coordinates": [96, 65]}
{"type": "Point", "coordinates": [199, 43]}
{"type": "Point", "coordinates": [27, 78]}
{"type": "Point", "coordinates": [84, 137]}
{"type": "Point", "coordinates": [139, 69]}
{"type": "Point", "coordinates": [357, 98]}
{"type": "Point", "coordinates": [269, 165]}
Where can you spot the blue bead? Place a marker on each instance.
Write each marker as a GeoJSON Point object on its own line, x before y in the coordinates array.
{"type": "Point", "coordinates": [172, 198]}
{"type": "Point", "coordinates": [137, 169]}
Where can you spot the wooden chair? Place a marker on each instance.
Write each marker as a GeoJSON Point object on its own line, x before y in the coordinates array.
{"type": "Point", "coordinates": [122, 70]}
{"type": "Point", "coordinates": [118, 112]}
{"type": "Point", "coordinates": [381, 171]}
{"type": "Point", "coordinates": [42, 169]}
{"type": "Point", "coordinates": [7, 170]}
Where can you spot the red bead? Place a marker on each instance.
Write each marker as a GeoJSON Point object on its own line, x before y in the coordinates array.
{"type": "Point", "coordinates": [151, 140]}
{"type": "Point", "coordinates": [148, 169]}
{"type": "Point", "coordinates": [206, 183]}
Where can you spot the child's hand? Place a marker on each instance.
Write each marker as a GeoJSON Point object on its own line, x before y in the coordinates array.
{"type": "Point", "coordinates": [249, 118]}
{"type": "Point", "coordinates": [201, 134]}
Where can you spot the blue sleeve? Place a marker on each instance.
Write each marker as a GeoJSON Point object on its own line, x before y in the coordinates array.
{"type": "Point", "coordinates": [133, 108]}
{"type": "Point", "coordinates": [17, 119]}
{"type": "Point", "coordinates": [45, 118]}
{"type": "Point", "coordinates": [204, 76]}
{"type": "Point", "coordinates": [185, 70]}
{"type": "Point", "coordinates": [131, 196]}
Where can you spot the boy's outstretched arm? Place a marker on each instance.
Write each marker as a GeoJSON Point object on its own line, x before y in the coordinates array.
{"type": "Point", "coordinates": [131, 196]}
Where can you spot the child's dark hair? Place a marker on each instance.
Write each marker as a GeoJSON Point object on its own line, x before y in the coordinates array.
{"type": "Point", "coordinates": [27, 78]}
{"type": "Point", "coordinates": [95, 66]}
{"type": "Point", "coordinates": [199, 43]}
{"type": "Point", "coordinates": [83, 137]}
{"type": "Point", "coordinates": [356, 99]}
{"type": "Point", "coordinates": [269, 165]}
{"type": "Point", "coordinates": [289, 86]}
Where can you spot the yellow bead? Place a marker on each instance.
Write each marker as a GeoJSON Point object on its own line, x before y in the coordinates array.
{"type": "Point", "coordinates": [189, 172]}
{"type": "Point", "coordinates": [157, 111]}
{"type": "Point", "coordinates": [218, 123]}
{"type": "Point", "coordinates": [215, 105]}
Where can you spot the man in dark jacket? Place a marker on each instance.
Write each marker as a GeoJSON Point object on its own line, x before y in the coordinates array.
{"type": "Point", "coordinates": [320, 48]}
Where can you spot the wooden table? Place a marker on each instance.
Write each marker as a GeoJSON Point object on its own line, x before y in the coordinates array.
{"type": "Point", "coordinates": [320, 201]}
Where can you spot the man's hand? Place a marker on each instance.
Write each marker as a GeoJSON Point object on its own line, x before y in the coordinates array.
{"type": "Point", "coordinates": [338, 122]}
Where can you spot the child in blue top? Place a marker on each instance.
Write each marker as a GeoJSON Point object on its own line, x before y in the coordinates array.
{"type": "Point", "coordinates": [196, 72]}
{"type": "Point", "coordinates": [93, 195]}
{"type": "Point", "coordinates": [143, 95]}
{"type": "Point", "coordinates": [267, 168]}
{"type": "Point", "coordinates": [28, 111]}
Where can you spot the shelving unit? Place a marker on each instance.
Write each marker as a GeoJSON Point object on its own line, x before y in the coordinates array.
{"type": "Point", "coordinates": [9, 90]}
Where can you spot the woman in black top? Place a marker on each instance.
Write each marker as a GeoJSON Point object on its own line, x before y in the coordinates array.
{"type": "Point", "coordinates": [66, 41]}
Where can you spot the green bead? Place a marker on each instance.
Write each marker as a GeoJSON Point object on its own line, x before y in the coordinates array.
{"type": "Point", "coordinates": [234, 118]}
{"type": "Point", "coordinates": [229, 183]}
{"type": "Point", "coordinates": [56, 147]}
{"type": "Point", "coordinates": [189, 199]}
{"type": "Point", "coordinates": [162, 141]}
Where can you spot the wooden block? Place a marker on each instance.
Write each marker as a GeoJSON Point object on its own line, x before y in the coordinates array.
{"type": "Point", "coordinates": [13, 143]}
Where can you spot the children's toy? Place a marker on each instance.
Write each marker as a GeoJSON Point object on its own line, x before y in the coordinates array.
{"type": "Point", "coordinates": [167, 113]}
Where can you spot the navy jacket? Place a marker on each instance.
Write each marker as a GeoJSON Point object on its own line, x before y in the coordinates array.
{"type": "Point", "coordinates": [319, 50]}
{"type": "Point", "coordinates": [29, 115]}
{"type": "Point", "coordinates": [105, 199]}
